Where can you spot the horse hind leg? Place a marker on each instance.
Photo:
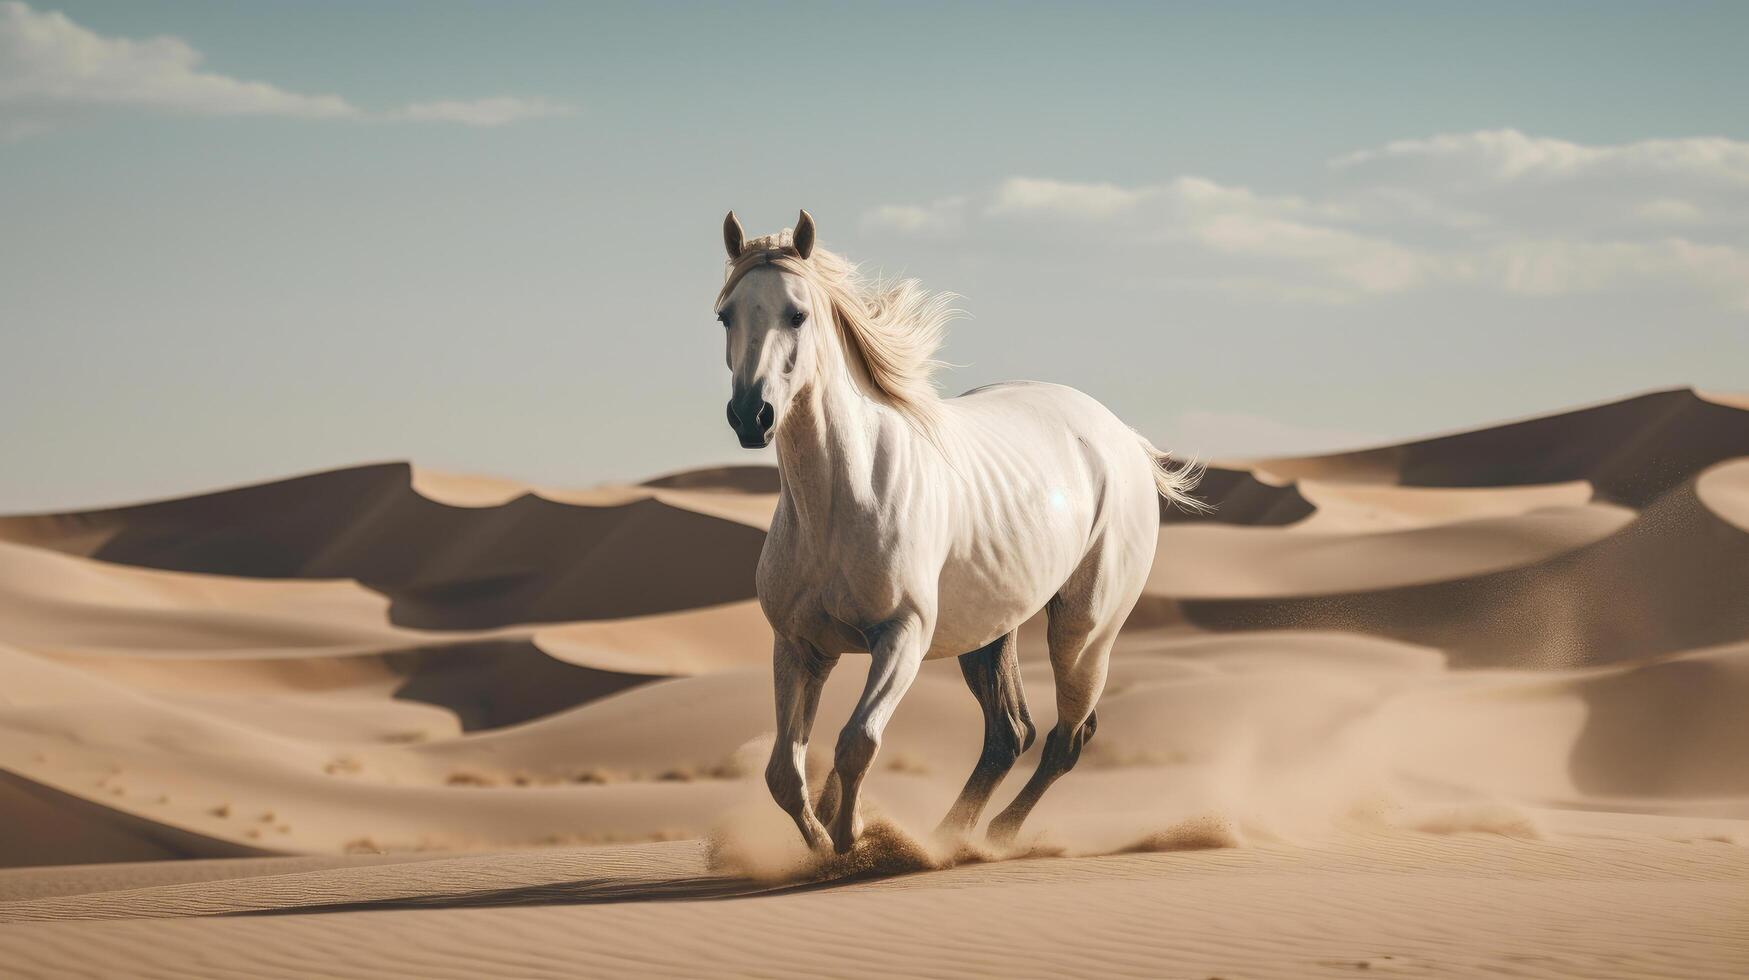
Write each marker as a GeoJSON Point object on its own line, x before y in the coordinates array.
{"type": "Point", "coordinates": [1080, 650]}
{"type": "Point", "coordinates": [993, 674]}
{"type": "Point", "coordinates": [1062, 750]}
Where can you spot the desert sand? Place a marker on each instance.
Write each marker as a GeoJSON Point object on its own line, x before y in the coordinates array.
{"type": "Point", "coordinates": [1471, 705]}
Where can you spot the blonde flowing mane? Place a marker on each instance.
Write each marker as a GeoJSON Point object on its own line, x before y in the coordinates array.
{"type": "Point", "coordinates": [891, 328]}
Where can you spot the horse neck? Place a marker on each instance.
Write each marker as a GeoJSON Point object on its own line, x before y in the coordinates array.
{"type": "Point", "coordinates": [827, 449]}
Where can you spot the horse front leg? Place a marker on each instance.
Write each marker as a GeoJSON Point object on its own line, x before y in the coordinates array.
{"type": "Point", "coordinates": [798, 672]}
{"type": "Point", "coordinates": [895, 652]}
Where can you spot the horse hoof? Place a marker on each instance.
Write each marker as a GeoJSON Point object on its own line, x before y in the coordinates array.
{"type": "Point", "coordinates": [845, 834]}
{"type": "Point", "coordinates": [950, 833]}
{"type": "Point", "coordinates": [843, 842]}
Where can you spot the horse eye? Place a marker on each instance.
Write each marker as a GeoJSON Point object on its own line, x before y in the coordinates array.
{"type": "Point", "coordinates": [797, 319]}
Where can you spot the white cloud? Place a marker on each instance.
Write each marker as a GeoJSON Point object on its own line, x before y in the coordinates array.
{"type": "Point", "coordinates": [484, 112]}
{"type": "Point", "coordinates": [1238, 221]}
{"type": "Point", "coordinates": [1494, 210]}
{"type": "Point", "coordinates": [1285, 291]}
{"type": "Point", "coordinates": [1224, 219]}
{"type": "Point", "coordinates": [1507, 155]}
{"type": "Point", "coordinates": [50, 66]}
{"type": "Point", "coordinates": [944, 216]}
{"type": "Point", "coordinates": [46, 58]}
{"type": "Point", "coordinates": [1368, 264]}
{"type": "Point", "coordinates": [1553, 268]}
{"type": "Point", "coordinates": [1669, 210]}
{"type": "Point", "coordinates": [1021, 195]}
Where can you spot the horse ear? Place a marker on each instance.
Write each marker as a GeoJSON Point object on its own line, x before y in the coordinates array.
{"type": "Point", "coordinates": [804, 236]}
{"type": "Point", "coordinates": [732, 235]}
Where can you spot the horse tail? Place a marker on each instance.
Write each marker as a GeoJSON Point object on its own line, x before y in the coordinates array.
{"type": "Point", "coordinates": [1176, 482]}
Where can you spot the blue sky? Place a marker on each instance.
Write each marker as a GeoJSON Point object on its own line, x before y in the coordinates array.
{"type": "Point", "coordinates": [484, 236]}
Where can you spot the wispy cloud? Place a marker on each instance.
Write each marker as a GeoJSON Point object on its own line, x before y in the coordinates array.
{"type": "Point", "coordinates": [1507, 155]}
{"type": "Point", "coordinates": [943, 216]}
{"type": "Point", "coordinates": [1020, 195]}
{"type": "Point", "coordinates": [484, 112]}
{"type": "Point", "coordinates": [51, 66]}
{"type": "Point", "coordinates": [46, 58]}
{"type": "Point", "coordinates": [1495, 210]}
{"type": "Point", "coordinates": [1225, 220]}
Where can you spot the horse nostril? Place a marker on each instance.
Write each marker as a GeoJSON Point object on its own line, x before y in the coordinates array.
{"type": "Point", "coordinates": [766, 416]}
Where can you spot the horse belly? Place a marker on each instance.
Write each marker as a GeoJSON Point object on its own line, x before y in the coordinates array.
{"type": "Point", "coordinates": [987, 596]}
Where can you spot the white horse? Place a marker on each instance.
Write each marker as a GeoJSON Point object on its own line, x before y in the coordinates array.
{"type": "Point", "coordinates": [912, 527]}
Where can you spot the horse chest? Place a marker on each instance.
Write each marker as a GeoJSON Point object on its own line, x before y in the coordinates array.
{"type": "Point", "coordinates": [829, 588]}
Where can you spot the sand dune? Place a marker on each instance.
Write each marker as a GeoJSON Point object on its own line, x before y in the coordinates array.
{"type": "Point", "coordinates": [1369, 507]}
{"type": "Point", "coordinates": [1669, 579]}
{"type": "Point", "coordinates": [528, 559]}
{"type": "Point", "coordinates": [1379, 704]}
{"type": "Point", "coordinates": [693, 642]}
{"type": "Point", "coordinates": [745, 494]}
{"type": "Point", "coordinates": [1215, 562]}
{"type": "Point", "coordinates": [1631, 450]}
{"type": "Point", "coordinates": [1724, 490]}
{"type": "Point", "coordinates": [65, 603]}
{"type": "Point", "coordinates": [1243, 496]}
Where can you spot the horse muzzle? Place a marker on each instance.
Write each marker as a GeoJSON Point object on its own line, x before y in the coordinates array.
{"type": "Point", "coordinates": [752, 417]}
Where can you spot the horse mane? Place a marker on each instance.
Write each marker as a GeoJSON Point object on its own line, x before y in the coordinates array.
{"type": "Point", "coordinates": [891, 327]}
